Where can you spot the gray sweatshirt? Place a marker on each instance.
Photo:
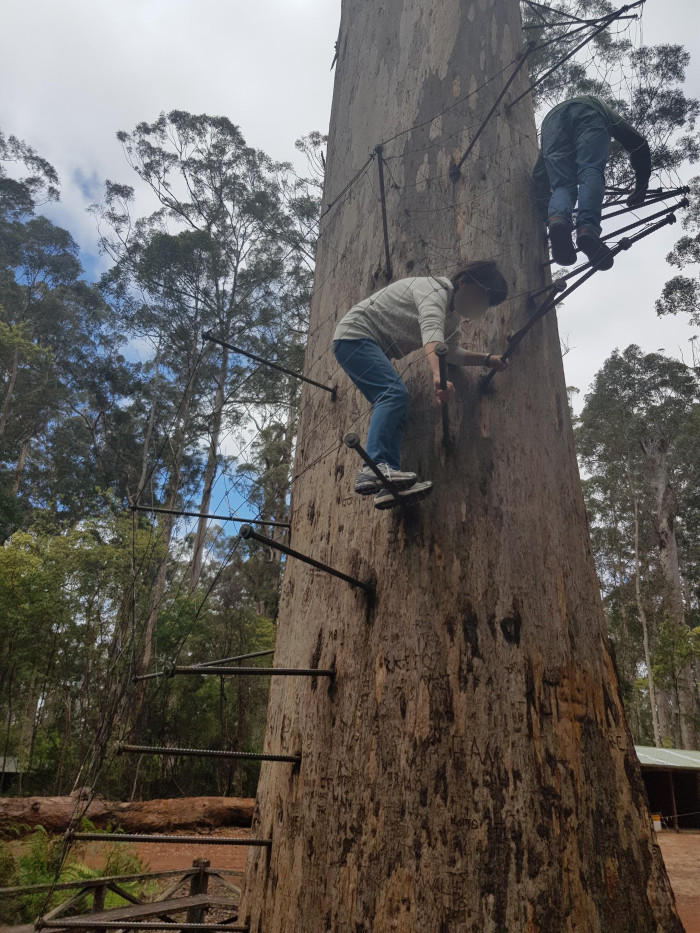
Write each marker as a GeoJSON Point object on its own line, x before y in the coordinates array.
{"type": "Point", "coordinates": [404, 316]}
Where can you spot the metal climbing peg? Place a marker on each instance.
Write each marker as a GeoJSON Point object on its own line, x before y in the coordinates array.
{"type": "Point", "coordinates": [441, 353]}
{"type": "Point", "coordinates": [353, 442]}
{"type": "Point", "coordinates": [248, 534]}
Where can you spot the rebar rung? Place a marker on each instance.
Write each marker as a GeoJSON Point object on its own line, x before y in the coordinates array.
{"type": "Point", "coordinates": [353, 442]}
{"type": "Point", "coordinates": [169, 669]}
{"type": "Point", "coordinates": [259, 359]}
{"type": "Point", "coordinates": [247, 671]}
{"type": "Point", "coordinates": [588, 270]}
{"type": "Point", "coordinates": [389, 272]}
{"type": "Point", "coordinates": [237, 657]}
{"type": "Point", "coordinates": [177, 840]}
{"type": "Point", "coordinates": [224, 518]}
{"type": "Point", "coordinates": [85, 923]}
{"type": "Point", "coordinates": [441, 352]}
{"type": "Point", "coordinates": [247, 532]}
{"type": "Point", "coordinates": [653, 198]}
{"type": "Point", "coordinates": [89, 883]}
{"type": "Point", "coordinates": [203, 753]}
{"type": "Point", "coordinates": [664, 212]}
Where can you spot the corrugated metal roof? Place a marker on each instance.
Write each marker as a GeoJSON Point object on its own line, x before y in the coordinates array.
{"type": "Point", "coordinates": [651, 757]}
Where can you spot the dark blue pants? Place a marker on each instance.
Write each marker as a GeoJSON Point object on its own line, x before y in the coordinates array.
{"type": "Point", "coordinates": [369, 368]}
{"type": "Point", "coordinates": [575, 146]}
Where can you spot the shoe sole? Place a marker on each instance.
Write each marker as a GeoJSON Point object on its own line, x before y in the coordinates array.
{"type": "Point", "coordinates": [368, 489]}
{"type": "Point", "coordinates": [563, 251]}
{"type": "Point", "coordinates": [405, 498]}
{"type": "Point", "coordinates": [598, 254]}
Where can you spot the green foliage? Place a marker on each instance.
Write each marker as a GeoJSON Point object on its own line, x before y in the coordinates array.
{"type": "Point", "coordinates": [62, 380]}
{"type": "Point", "coordinates": [45, 861]}
{"type": "Point", "coordinates": [82, 432]}
{"type": "Point", "coordinates": [681, 294]}
{"type": "Point", "coordinates": [645, 83]}
{"type": "Point", "coordinates": [640, 405]}
{"type": "Point", "coordinates": [20, 196]}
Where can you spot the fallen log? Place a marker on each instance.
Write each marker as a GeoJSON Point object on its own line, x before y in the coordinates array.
{"type": "Point", "coordinates": [55, 813]}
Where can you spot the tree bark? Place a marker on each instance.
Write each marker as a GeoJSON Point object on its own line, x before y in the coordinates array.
{"type": "Point", "coordinates": [165, 530]}
{"type": "Point", "coordinates": [127, 707]}
{"type": "Point", "coordinates": [19, 468]}
{"type": "Point", "coordinates": [641, 612]}
{"type": "Point", "coordinates": [209, 470]}
{"type": "Point", "coordinates": [656, 452]}
{"type": "Point", "coordinates": [8, 725]}
{"type": "Point", "coordinates": [469, 769]}
{"type": "Point", "coordinates": [150, 425]}
{"type": "Point", "coordinates": [5, 410]}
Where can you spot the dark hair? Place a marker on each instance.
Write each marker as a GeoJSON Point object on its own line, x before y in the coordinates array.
{"type": "Point", "coordinates": [486, 274]}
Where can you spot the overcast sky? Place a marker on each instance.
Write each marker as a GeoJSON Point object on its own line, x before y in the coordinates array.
{"type": "Point", "coordinates": [73, 72]}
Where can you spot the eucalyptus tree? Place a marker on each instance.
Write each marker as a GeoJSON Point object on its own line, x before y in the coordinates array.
{"type": "Point", "coordinates": [225, 251]}
{"type": "Point", "coordinates": [681, 294]}
{"type": "Point", "coordinates": [468, 767]}
{"type": "Point", "coordinates": [643, 83]}
{"type": "Point", "coordinates": [61, 424]}
{"type": "Point", "coordinates": [633, 438]}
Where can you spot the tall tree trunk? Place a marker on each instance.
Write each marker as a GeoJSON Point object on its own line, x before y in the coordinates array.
{"type": "Point", "coordinates": [656, 452]}
{"type": "Point", "coordinates": [469, 769]}
{"type": "Point", "coordinates": [5, 410]}
{"type": "Point", "coordinates": [641, 612]}
{"type": "Point", "coordinates": [127, 705]}
{"type": "Point", "coordinates": [19, 468]}
{"type": "Point", "coordinates": [30, 698]}
{"type": "Point", "coordinates": [241, 737]}
{"type": "Point", "coordinates": [144, 649]}
{"type": "Point", "coordinates": [41, 700]}
{"type": "Point", "coordinates": [150, 425]}
{"type": "Point", "coordinates": [8, 726]}
{"type": "Point", "coordinates": [65, 746]}
{"type": "Point", "coordinates": [209, 470]}
{"type": "Point", "coordinates": [165, 530]}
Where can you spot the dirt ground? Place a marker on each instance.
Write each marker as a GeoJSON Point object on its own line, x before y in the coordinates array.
{"type": "Point", "coordinates": [162, 856]}
{"type": "Point", "coordinates": [681, 852]}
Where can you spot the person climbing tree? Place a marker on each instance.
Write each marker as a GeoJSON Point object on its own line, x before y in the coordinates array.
{"type": "Point", "coordinates": [575, 144]}
{"type": "Point", "coordinates": [400, 318]}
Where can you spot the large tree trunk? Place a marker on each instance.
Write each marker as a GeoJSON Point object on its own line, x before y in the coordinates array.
{"type": "Point", "coordinates": [469, 769]}
{"type": "Point", "coordinates": [209, 471]}
{"type": "Point", "coordinates": [656, 452]}
{"type": "Point", "coordinates": [643, 621]}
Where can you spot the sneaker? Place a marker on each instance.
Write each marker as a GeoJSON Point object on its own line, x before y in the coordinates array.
{"type": "Point", "coordinates": [599, 255]}
{"type": "Point", "coordinates": [367, 483]}
{"type": "Point", "coordinates": [563, 251]}
{"type": "Point", "coordinates": [385, 500]}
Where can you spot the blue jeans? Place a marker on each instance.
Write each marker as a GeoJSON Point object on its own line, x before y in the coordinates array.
{"type": "Point", "coordinates": [369, 368]}
{"type": "Point", "coordinates": [575, 145]}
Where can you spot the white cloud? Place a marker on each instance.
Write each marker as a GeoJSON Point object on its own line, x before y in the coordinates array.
{"type": "Point", "coordinates": [616, 308]}
{"type": "Point", "coordinates": [74, 73]}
